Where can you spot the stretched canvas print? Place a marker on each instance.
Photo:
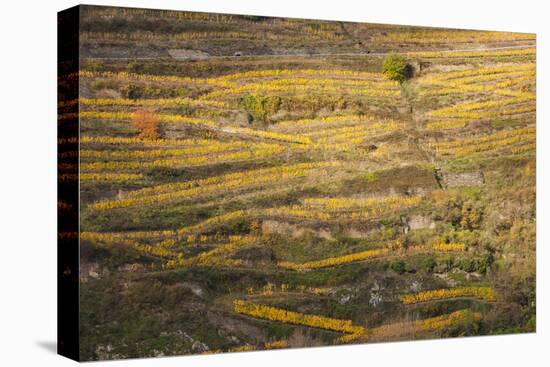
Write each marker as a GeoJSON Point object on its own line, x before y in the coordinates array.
{"type": "Point", "coordinates": [235, 183]}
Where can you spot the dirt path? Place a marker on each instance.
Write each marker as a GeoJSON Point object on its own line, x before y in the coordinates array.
{"type": "Point", "coordinates": [322, 54]}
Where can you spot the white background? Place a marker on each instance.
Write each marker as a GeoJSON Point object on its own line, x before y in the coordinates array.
{"type": "Point", "coordinates": [28, 182]}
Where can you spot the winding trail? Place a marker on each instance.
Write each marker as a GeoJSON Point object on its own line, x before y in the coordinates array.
{"type": "Point", "coordinates": [321, 54]}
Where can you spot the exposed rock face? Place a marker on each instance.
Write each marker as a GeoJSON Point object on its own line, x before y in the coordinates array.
{"type": "Point", "coordinates": [416, 286]}
{"type": "Point", "coordinates": [92, 270]}
{"type": "Point", "coordinates": [195, 289]}
{"type": "Point", "coordinates": [287, 229]}
{"type": "Point", "coordinates": [375, 295]}
{"type": "Point", "coordinates": [463, 179]}
{"type": "Point", "coordinates": [356, 233]}
{"type": "Point", "coordinates": [420, 222]}
{"type": "Point", "coordinates": [102, 352]}
{"type": "Point", "coordinates": [185, 54]}
{"type": "Point", "coordinates": [134, 268]}
{"type": "Point", "coordinates": [232, 326]}
{"type": "Point", "coordinates": [199, 347]}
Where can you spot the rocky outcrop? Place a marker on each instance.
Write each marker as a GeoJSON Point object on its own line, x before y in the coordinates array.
{"type": "Point", "coordinates": [420, 222]}
{"type": "Point", "coordinates": [287, 229]}
{"type": "Point", "coordinates": [463, 179]}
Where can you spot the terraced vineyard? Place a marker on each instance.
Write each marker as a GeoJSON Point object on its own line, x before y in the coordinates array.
{"type": "Point", "coordinates": [255, 183]}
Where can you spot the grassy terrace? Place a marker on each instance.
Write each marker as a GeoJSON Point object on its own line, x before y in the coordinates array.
{"type": "Point", "coordinates": [233, 203]}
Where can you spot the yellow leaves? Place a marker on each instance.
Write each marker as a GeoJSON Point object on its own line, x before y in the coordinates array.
{"type": "Point", "coordinates": [306, 80]}
{"type": "Point", "coordinates": [159, 37]}
{"type": "Point", "coordinates": [529, 147]}
{"type": "Point", "coordinates": [222, 35]}
{"type": "Point", "coordinates": [267, 134]}
{"type": "Point", "coordinates": [342, 208]}
{"type": "Point", "coordinates": [203, 239]}
{"type": "Point", "coordinates": [384, 203]}
{"type": "Point", "coordinates": [276, 344]}
{"type": "Point", "coordinates": [214, 147]}
{"type": "Point", "coordinates": [296, 211]}
{"type": "Point", "coordinates": [291, 317]}
{"type": "Point", "coordinates": [158, 250]}
{"type": "Point", "coordinates": [216, 184]}
{"type": "Point", "coordinates": [335, 261]}
{"type": "Point", "coordinates": [186, 120]}
{"type": "Point", "coordinates": [473, 115]}
{"type": "Point", "coordinates": [242, 348]}
{"type": "Point", "coordinates": [113, 177]}
{"type": "Point", "coordinates": [451, 36]}
{"type": "Point", "coordinates": [213, 257]}
{"type": "Point", "coordinates": [449, 247]}
{"type": "Point", "coordinates": [483, 139]}
{"type": "Point", "coordinates": [530, 51]}
{"type": "Point", "coordinates": [507, 80]}
{"type": "Point", "coordinates": [271, 289]}
{"type": "Point", "coordinates": [120, 140]}
{"type": "Point", "coordinates": [311, 73]}
{"type": "Point", "coordinates": [340, 83]}
{"type": "Point", "coordinates": [256, 151]}
{"type": "Point", "coordinates": [432, 324]}
{"type": "Point", "coordinates": [208, 261]}
{"type": "Point", "coordinates": [324, 121]}
{"type": "Point", "coordinates": [483, 293]}
{"type": "Point", "coordinates": [145, 77]}
{"type": "Point", "coordinates": [163, 248]}
{"type": "Point", "coordinates": [184, 233]}
{"type": "Point", "coordinates": [446, 321]}
{"type": "Point", "coordinates": [349, 133]}
{"type": "Point", "coordinates": [160, 102]}
{"type": "Point", "coordinates": [465, 146]}
{"type": "Point", "coordinates": [447, 124]}
{"type": "Point", "coordinates": [501, 70]}
{"type": "Point", "coordinates": [373, 254]}
{"type": "Point", "coordinates": [127, 116]}
{"type": "Point", "coordinates": [461, 110]}
{"type": "Point", "coordinates": [212, 221]}
{"type": "Point", "coordinates": [311, 86]}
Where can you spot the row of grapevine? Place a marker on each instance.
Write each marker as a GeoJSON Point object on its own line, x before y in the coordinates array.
{"type": "Point", "coordinates": [483, 293]}
{"type": "Point", "coordinates": [210, 159]}
{"type": "Point", "coordinates": [450, 36]}
{"type": "Point", "coordinates": [291, 317]}
{"type": "Point", "coordinates": [372, 254]}
{"type": "Point", "coordinates": [410, 328]}
{"type": "Point", "coordinates": [511, 52]}
{"type": "Point", "coordinates": [175, 192]}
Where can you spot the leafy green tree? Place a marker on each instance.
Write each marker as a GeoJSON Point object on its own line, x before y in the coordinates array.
{"type": "Point", "coordinates": [395, 67]}
{"type": "Point", "coordinates": [428, 264]}
{"type": "Point", "coordinates": [398, 266]}
{"type": "Point", "coordinates": [260, 107]}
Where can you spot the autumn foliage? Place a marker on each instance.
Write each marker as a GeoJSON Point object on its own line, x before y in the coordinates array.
{"type": "Point", "coordinates": [147, 124]}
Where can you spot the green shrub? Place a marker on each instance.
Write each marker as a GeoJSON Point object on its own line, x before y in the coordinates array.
{"type": "Point", "coordinates": [398, 266]}
{"type": "Point", "coordinates": [476, 265]}
{"type": "Point", "coordinates": [427, 264]}
{"type": "Point", "coordinates": [371, 177]}
{"type": "Point", "coordinates": [138, 91]}
{"type": "Point", "coordinates": [395, 67]}
{"type": "Point", "coordinates": [260, 107]}
{"type": "Point", "coordinates": [279, 331]}
{"type": "Point", "coordinates": [134, 91]}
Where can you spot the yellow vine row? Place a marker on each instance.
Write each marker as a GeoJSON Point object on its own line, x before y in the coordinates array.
{"type": "Point", "coordinates": [483, 293]}
{"type": "Point", "coordinates": [296, 318]}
